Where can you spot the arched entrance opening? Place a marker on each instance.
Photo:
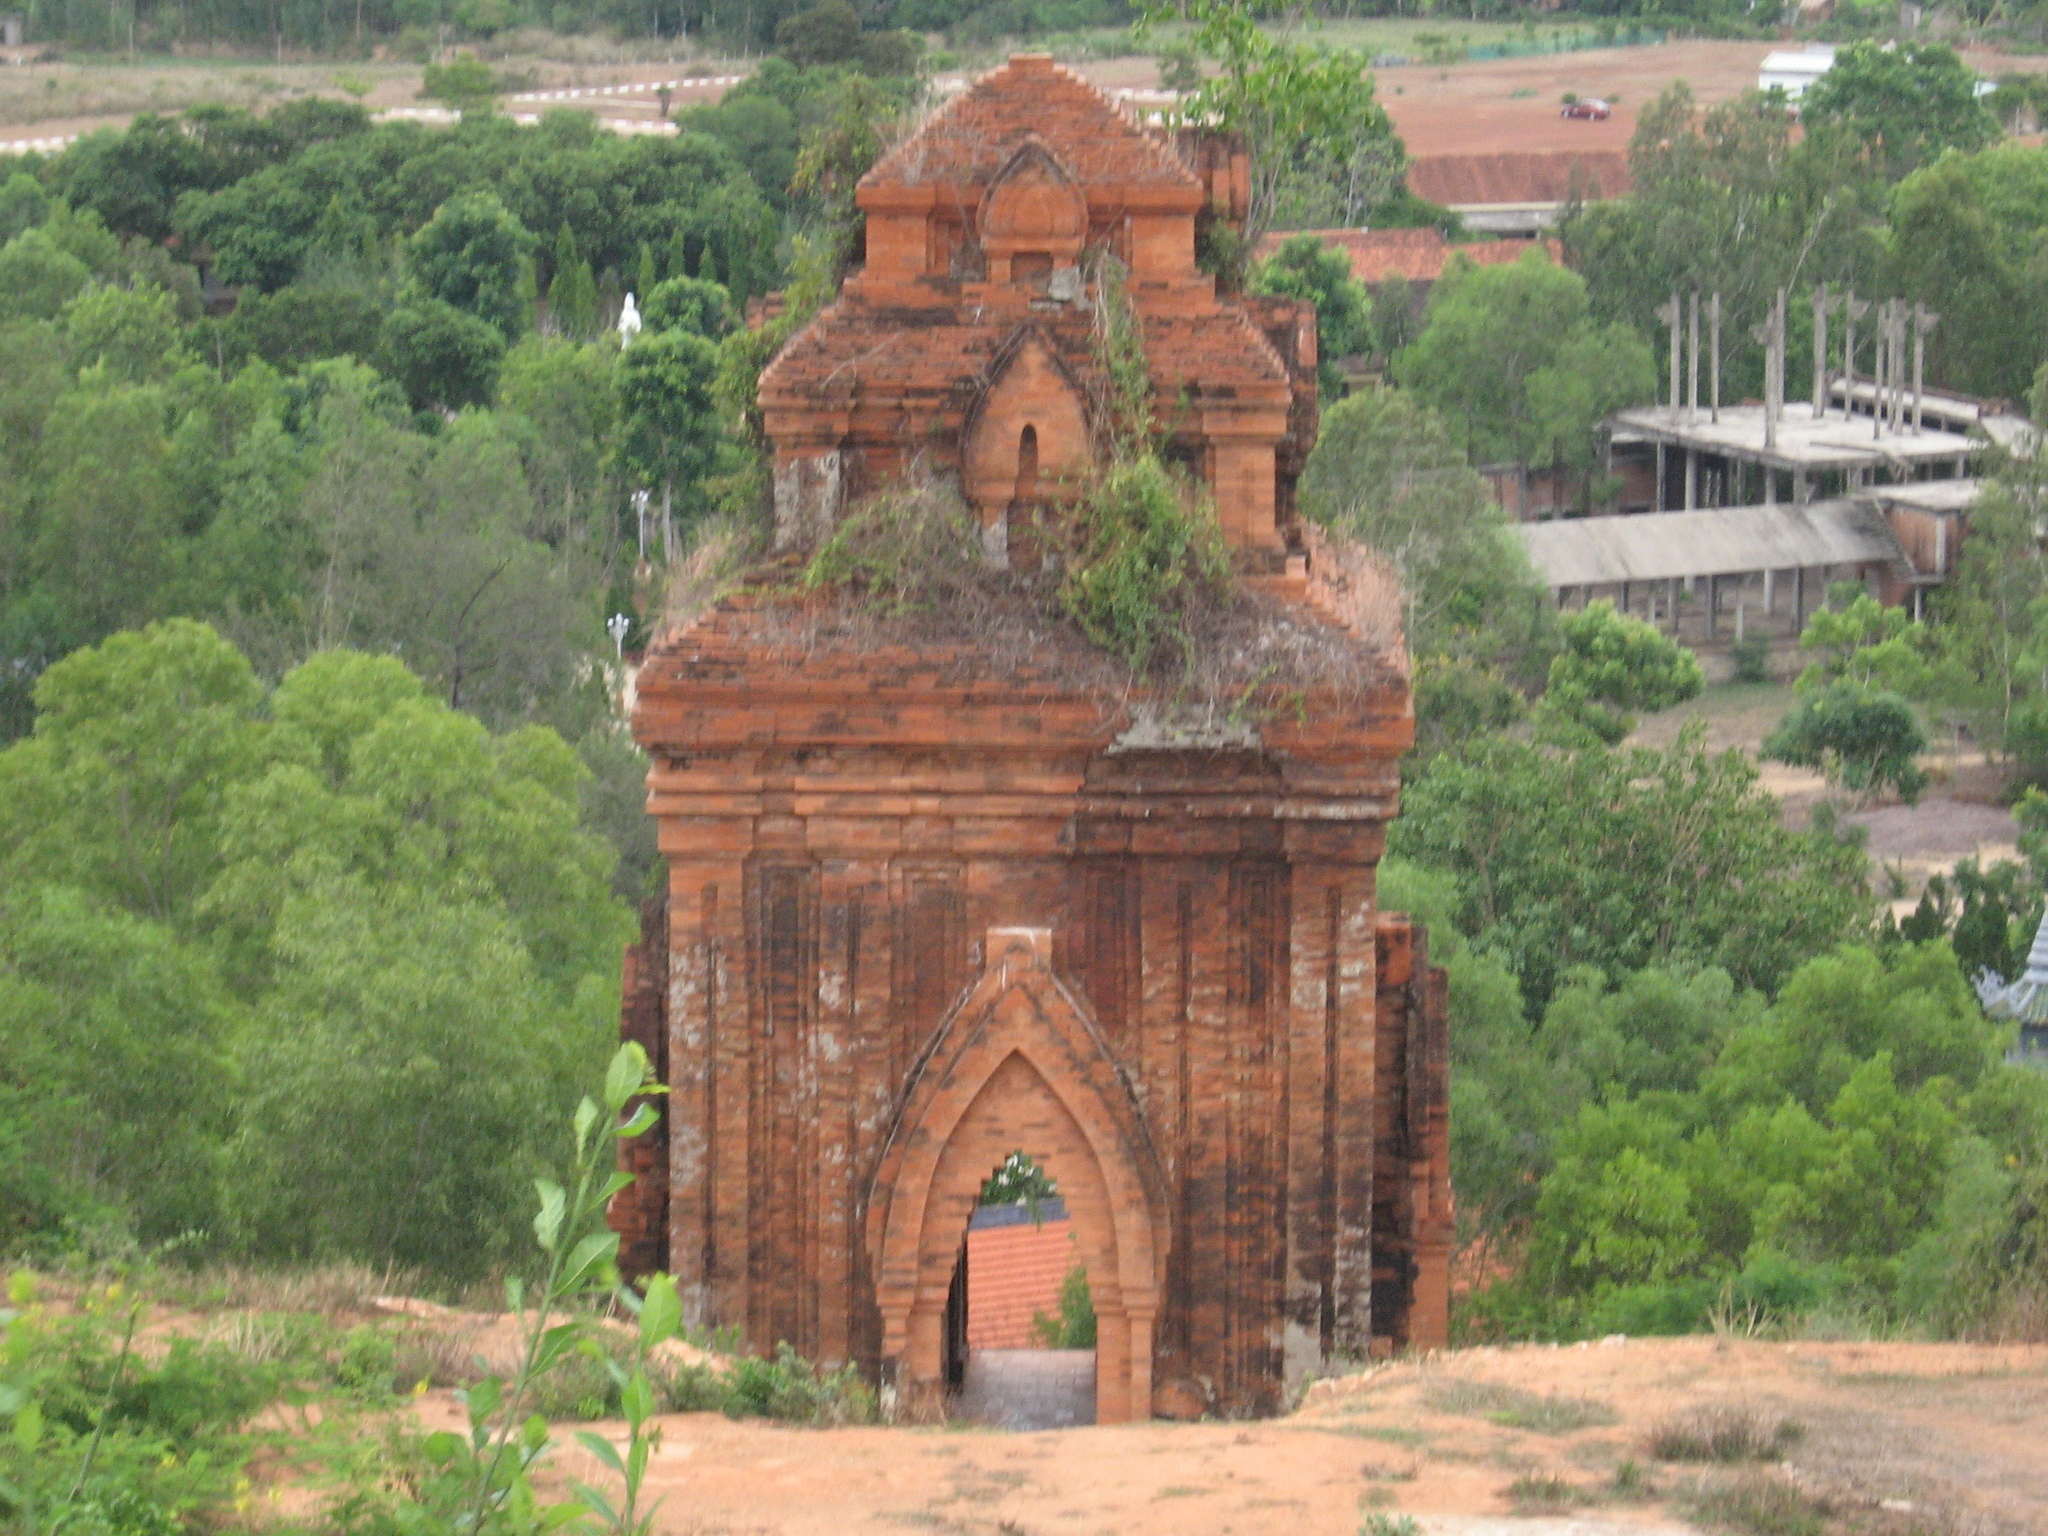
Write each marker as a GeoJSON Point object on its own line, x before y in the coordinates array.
{"type": "Point", "coordinates": [1020, 1322]}
{"type": "Point", "coordinates": [1018, 1064]}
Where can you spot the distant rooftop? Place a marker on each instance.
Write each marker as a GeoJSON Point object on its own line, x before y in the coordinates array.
{"type": "Point", "coordinates": [1663, 546]}
{"type": "Point", "coordinates": [1802, 443]}
{"type": "Point", "coordinates": [1418, 255]}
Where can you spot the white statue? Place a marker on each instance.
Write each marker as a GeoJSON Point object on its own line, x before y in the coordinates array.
{"type": "Point", "coordinates": [629, 322]}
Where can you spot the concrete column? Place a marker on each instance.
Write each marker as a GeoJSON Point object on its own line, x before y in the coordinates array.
{"type": "Point", "coordinates": [1801, 492]}
{"type": "Point", "coordinates": [1799, 601]}
{"type": "Point", "coordinates": [1770, 592]}
{"type": "Point", "coordinates": [1692, 480]}
{"type": "Point", "coordinates": [1713, 605]}
{"type": "Point", "coordinates": [1658, 505]}
{"type": "Point", "coordinates": [1770, 486]}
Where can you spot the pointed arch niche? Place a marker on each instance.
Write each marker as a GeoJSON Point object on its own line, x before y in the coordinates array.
{"type": "Point", "coordinates": [1018, 1065]}
{"type": "Point", "coordinates": [1031, 407]}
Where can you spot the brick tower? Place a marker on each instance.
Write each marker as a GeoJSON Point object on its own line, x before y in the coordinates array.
{"type": "Point", "coordinates": [932, 903]}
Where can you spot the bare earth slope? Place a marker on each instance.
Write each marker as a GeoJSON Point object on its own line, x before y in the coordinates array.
{"type": "Point", "coordinates": [1905, 1438]}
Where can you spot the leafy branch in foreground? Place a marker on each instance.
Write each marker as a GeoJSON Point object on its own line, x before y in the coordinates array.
{"type": "Point", "coordinates": [481, 1481]}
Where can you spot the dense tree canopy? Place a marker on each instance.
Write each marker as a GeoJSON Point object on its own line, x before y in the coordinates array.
{"type": "Point", "coordinates": [257, 944]}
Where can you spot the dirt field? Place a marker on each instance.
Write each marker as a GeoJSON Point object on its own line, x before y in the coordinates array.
{"type": "Point", "coordinates": [1893, 1439]}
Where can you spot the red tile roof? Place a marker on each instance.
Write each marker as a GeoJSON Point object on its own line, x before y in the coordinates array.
{"type": "Point", "coordinates": [1418, 255]}
{"type": "Point", "coordinates": [1012, 1273]}
{"type": "Point", "coordinates": [970, 138]}
{"type": "Point", "coordinates": [1524, 176]}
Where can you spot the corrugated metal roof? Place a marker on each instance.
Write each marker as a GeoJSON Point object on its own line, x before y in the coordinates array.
{"type": "Point", "coordinates": [1590, 551]}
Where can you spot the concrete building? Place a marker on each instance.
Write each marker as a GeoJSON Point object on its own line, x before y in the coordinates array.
{"type": "Point", "coordinates": [1794, 70]}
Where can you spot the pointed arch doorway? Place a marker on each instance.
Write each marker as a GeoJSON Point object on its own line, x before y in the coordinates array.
{"type": "Point", "coordinates": [1018, 1064]}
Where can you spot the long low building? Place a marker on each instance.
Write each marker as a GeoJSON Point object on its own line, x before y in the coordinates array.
{"type": "Point", "coordinates": [1644, 562]}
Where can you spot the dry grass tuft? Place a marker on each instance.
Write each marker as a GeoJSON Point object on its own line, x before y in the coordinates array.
{"type": "Point", "coordinates": [326, 1290]}
{"type": "Point", "coordinates": [1760, 1504]}
{"type": "Point", "coordinates": [1513, 1408]}
{"type": "Point", "coordinates": [1725, 1435]}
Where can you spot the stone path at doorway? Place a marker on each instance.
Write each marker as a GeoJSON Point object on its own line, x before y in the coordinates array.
{"type": "Point", "coordinates": [1029, 1388]}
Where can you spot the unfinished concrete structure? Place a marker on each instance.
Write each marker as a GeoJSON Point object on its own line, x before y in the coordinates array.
{"type": "Point", "coordinates": [931, 903]}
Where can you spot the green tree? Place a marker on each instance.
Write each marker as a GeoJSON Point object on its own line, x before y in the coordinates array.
{"type": "Point", "coordinates": [1901, 104]}
{"type": "Point", "coordinates": [1305, 268]}
{"type": "Point", "coordinates": [1612, 664]}
{"type": "Point", "coordinates": [1618, 857]}
{"type": "Point", "coordinates": [470, 255]}
{"type": "Point", "coordinates": [38, 277]}
{"type": "Point", "coordinates": [132, 333]}
{"type": "Point", "coordinates": [1965, 238]}
{"type": "Point", "coordinates": [1289, 99]}
{"type": "Point", "coordinates": [1387, 473]}
{"type": "Point", "coordinates": [572, 290]}
{"type": "Point", "coordinates": [827, 33]}
{"type": "Point", "coordinates": [1511, 356]}
{"type": "Point", "coordinates": [668, 419]}
{"type": "Point", "coordinates": [1864, 739]}
{"type": "Point", "coordinates": [442, 355]}
{"type": "Point", "coordinates": [465, 83]}
{"type": "Point", "coordinates": [1727, 200]}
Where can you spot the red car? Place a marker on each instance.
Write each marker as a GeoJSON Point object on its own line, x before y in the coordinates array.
{"type": "Point", "coordinates": [1588, 107]}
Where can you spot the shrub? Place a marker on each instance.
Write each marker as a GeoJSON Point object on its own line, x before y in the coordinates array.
{"type": "Point", "coordinates": [1752, 656]}
{"type": "Point", "coordinates": [1145, 546]}
{"type": "Point", "coordinates": [1074, 1328]}
{"type": "Point", "coordinates": [1860, 737]}
{"type": "Point", "coordinates": [789, 1387]}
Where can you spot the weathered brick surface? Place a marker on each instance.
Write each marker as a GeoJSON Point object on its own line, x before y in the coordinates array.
{"type": "Point", "coordinates": [931, 902]}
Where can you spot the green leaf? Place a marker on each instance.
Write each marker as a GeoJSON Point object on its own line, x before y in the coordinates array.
{"type": "Point", "coordinates": [598, 1505]}
{"type": "Point", "coordinates": [515, 1294]}
{"type": "Point", "coordinates": [613, 1183]}
{"type": "Point", "coordinates": [547, 1224]}
{"type": "Point", "coordinates": [637, 1401]}
{"type": "Point", "coordinates": [483, 1399]}
{"type": "Point", "coordinates": [533, 1435]}
{"type": "Point", "coordinates": [602, 1449]}
{"type": "Point", "coordinates": [622, 1079]}
{"type": "Point", "coordinates": [554, 1344]}
{"type": "Point", "coordinates": [642, 1119]}
{"type": "Point", "coordinates": [595, 1250]}
{"type": "Point", "coordinates": [586, 1119]}
{"type": "Point", "coordinates": [28, 1428]}
{"type": "Point", "coordinates": [442, 1446]}
{"type": "Point", "coordinates": [661, 1314]}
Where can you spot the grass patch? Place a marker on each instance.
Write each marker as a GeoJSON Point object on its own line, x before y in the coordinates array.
{"type": "Point", "coordinates": [1389, 1525]}
{"type": "Point", "coordinates": [1544, 1494]}
{"type": "Point", "coordinates": [1391, 1434]}
{"type": "Point", "coordinates": [1759, 1504]}
{"type": "Point", "coordinates": [1632, 1482]}
{"type": "Point", "coordinates": [1513, 1408]}
{"type": "Point", "coordinates": [1179, 1491]}
{"type": "Point", "coordinates": [1725, 1435]}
